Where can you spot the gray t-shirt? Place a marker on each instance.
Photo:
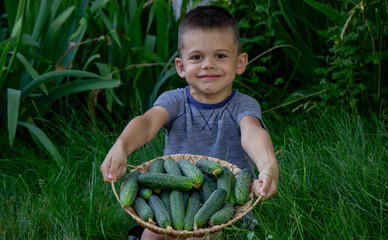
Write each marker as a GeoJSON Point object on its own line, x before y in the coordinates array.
{"type": "Point", "coordinates": [207, 129]}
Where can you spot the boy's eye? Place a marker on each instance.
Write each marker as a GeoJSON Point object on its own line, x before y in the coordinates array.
{"type": "Point", "coordinates": [220, 55]}
{"type": "Point", "coordinates": [196, 57]}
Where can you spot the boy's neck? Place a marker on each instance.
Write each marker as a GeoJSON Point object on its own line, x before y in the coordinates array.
{"type": "Point", "coordinates": [209, 99]}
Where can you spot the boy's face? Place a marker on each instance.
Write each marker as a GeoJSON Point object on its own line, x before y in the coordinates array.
{"type": "Point", "coordinates": [209, 62]}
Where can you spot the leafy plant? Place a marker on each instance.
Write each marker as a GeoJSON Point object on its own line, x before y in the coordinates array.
{"type": "Point", "coordinates": [332, 51]}
{"type": "Point", "coordinates": [59, 52]}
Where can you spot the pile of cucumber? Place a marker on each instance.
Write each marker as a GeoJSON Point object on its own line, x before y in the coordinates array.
{"type": "Point", "coordinates": [185, 196]}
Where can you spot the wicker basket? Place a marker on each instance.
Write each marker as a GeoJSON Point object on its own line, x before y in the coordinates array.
{"type": "Point", "coordinates": [240, 210]}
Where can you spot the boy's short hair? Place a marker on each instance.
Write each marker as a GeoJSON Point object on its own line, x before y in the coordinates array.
{"type": "Point", "coordinates": [208, 18]}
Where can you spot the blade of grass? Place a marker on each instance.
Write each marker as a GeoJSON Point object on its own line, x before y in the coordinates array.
{"type": "Point", "coordinates": [33, 73]}
{"type": "Point", "coordinates": [26, 40]}
{"type": "Point", "coordinates": [161, 29]}
{"type": "Point", "coordinates": [82, 85]}
{"type": "Point", "coordinates": [44, 140]}
{"type": "Point", "coordinates": [109, 27]}
{"type": "Point", "coordinates": [3, 59]}
{"type": "Point", "coordinates": [328, 11]}
{"type": "Point", "coordinates": [164, 75]}
{"type": "Point", "coordinates": [41, 19]}
{"type": "Point", "coordinates": [51, 75]}
{"type": "Point", "coordinates": [13, 103]}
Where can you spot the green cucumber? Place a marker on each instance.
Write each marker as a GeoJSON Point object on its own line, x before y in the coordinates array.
{"type": "Point", "coordinates": [211, 206]}
{"type": "Point", "coordinates": [143, 209]}
{"type": "Point", "coordinates": [191, 171]}
{"type": "Point", "coordinates": [177, 209]}
{"type": "Point", "coordinates": [129, 190]}
{"type": "Point", "coordinates": [186, 198]}
{"type": "Point", "coordinates": [223, 215]}
{"type": "Point", "coordinates": [157, 166]}
{"type": "Point", "coordinates": [160, 212]}
{"type": "Point", "coordinates": [243, 184]}
{"type": "Point", "coordinates": [209, 167]}
{"type": "Point", "coordinates": [212, 179]}
{"type": "Point", "coordinates": [165, 197]}
{"type": "Point", "coordinates": [194, 205]}
{"type": "Point", "coordinates": [145, 192]}
{"type": "Point", "coordinates": [206, 190]}
{"type": "Point", "coordinates": [165, 181]}
{"type": "Point", "coordinates": [172, 167]}
{"type": "Point", "coordinates": [224, 181]}
{"type": "Point", "coordinates": [232, 195]}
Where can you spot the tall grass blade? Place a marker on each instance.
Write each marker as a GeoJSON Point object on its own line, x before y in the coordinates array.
{"type": "Point", "coordinates": [329, 12]}
{"type": "Point", "coordinates": [51, 75]}
{"type": "Point", "coordinates": [109, 26]}
{"type": "Point", "coordinates": [82, 85]}
{"type": "Point", "coordinates": [3, 59]}
{"type": "Point", "coordinates": [161, 28]}
{"type": "Point", "coordinates": [44, 140]}
{"type": "Point", "coordinates": [11, 7]}
{"type": "Point", "coordinates": [97, 5]}
{"type": "Point", "coordinates": [164, 75]}
{"type": "Point", "coordinates": [26, 40]}
{"type": "Point", "coordinates": [30, 69]}
{"type": "Point", "coordinates": [13, 103]}
{"type": "Point", "coordinates": [41, 19]}
{"type": "Point", "coordinates": [58, 22]}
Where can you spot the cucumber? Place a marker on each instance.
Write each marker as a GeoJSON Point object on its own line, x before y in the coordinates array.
{"type": "Point", "coordinates": [243, 183]}
{"type": "Point", "coordinates": [129, 190]}
{"type": "Point", "coordinates": [143, 209]}
{"type": "Point", "coordinates": [211, 206]}
{"type": "Point", "coordinates": [186, 198]}
{"type": "Point", "coordinates": [160, 212]}
{"type": "Point", "coordinates": [157, 166]}
{"type": "Point", "coordinates": [145, 193]}
{"type": "Point", "coordinates": [224, 181]}
{"type": "Point", "coordinates": [232, 195]}
{"type": "Point", "coordinates": [209, 167]}
{"type": "Point", "coordinates": [165, 197]}
{"type": "Point", "coordinates": [191, 171]}
{"type": "Point", "coordinates": [172, 167]}
{"type": "Point", "coordinates": [206, 190]}
{"type": "Point", "coordinates": [212, 179]}
{"type": "Point", "coordinates": [165, 181]}
{"type": "Point", "coordinates": [194, 205]}
{"type": "Point", "coordinates": [223, 215]}
{"type": "Point", "coordinates": [177, 209]}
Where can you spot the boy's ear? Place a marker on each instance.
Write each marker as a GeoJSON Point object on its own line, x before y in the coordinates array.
{"type": "Point", "coordinates": [242, 62]}
{"type": "Point", "coordinates": [179, 67]}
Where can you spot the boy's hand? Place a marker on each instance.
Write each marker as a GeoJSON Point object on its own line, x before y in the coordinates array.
{"type": "Point", "coordinates": [113, 167]}
{"type": "Point", "coordinates": [266, 185]}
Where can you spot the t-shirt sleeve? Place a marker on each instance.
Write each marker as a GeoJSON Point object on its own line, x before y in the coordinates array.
{"type": "Point", "coordinates": [248, 106]}
{"type": "Point", "coordinates": [172, 102]}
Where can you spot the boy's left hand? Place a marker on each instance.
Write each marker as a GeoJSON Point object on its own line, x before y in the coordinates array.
{"type": "Point", "coordinates": [266, 185]}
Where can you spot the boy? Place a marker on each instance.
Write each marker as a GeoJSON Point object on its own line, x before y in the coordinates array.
{"type": "Point", "coordinates": [207, 117]}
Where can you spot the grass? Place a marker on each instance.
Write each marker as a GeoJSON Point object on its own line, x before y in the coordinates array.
{"type": "Point", "coordinates": [333, 181]}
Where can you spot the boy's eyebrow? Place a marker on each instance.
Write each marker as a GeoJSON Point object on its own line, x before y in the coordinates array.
{"type": "Point", "coordinates": [216, 50]}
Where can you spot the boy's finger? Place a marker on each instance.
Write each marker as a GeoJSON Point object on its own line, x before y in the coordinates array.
{"type": "Point", "coordinates": [105, 166]}
{"type": "Point", "coordinates": [113, 171]}
{"type": "Point", "coordinates": [267, 180]}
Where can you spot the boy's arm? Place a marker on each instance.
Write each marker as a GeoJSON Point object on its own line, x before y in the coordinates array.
{"type": "Point", "coordinates": [256, 141]}
{"type": "Point", "coordinates": [139, 131]}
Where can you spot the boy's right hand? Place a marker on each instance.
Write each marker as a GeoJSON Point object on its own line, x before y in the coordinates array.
{"type": "Point", "coordinates": [113, 167]}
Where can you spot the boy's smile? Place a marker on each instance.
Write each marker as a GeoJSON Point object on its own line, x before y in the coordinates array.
{"type": "Point", "coordinates": [209, 62]}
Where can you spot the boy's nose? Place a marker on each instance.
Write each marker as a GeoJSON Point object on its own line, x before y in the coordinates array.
{"type": "Point", "coordinates": [208, 63]}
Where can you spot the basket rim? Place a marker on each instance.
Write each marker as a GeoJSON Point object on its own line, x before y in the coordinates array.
{"type": "Point", "coordinates": [240, 210]}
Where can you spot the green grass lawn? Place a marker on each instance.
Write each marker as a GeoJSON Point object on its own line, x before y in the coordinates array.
{"type": "Point", "coordinates": [333, 181]}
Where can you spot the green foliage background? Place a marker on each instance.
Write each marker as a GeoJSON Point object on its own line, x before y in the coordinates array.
{"type": "Point", "coordinates": [118, 55]}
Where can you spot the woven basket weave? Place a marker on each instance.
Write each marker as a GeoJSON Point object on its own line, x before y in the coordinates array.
{"type": "Point", "coordinates": [240, 210]}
